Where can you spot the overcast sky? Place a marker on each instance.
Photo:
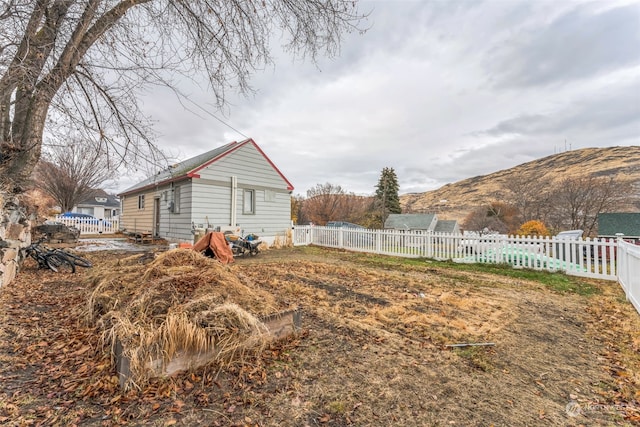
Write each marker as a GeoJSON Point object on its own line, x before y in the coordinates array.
{"type": "Point", "coordinates": [439, 90]}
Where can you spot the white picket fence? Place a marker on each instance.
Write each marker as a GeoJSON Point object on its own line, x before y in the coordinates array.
{"type": "Point", "coordinates": [629, 271]}
{"type": "Point", "coordinates": [91, 226]}
{"type": "Point", "coordinates": [609, 259]}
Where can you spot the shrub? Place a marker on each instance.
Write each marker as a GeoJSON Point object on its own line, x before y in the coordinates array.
{"type": "Point", "coordinates": [533, 228]}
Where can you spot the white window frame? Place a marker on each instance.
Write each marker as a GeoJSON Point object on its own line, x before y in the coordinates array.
{"type": "Point", "coordinates": [141, 202]}
{"type": "Point", "coordinates": [249, 202]}
{"type": "Point", "coordinates": [176, 199]}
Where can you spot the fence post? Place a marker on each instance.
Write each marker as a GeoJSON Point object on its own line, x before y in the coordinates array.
{"type": "Point", "coordinates": [622, 260]}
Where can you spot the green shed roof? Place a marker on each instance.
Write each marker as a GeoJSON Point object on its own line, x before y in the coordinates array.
{"type": "Point", "coordinates": [610, 224]}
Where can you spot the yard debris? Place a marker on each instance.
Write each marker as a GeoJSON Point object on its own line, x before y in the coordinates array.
{"type": "Point", "coordinates": [402, 377]}
{"type": "Point", "coordinates": [56, 233]}
{"type": "Point", "coordinates": [215, 244]}
{"type": "Point", "coordinates": [182, 301]}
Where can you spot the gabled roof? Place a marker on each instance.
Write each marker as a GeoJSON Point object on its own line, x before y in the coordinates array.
{"type": "Point", "coordinates": [100, 198]}
{"type": "Point", "coordinates": [609, 224]}
{"type": "Point", "coordinates": [446, 226]}
{"type": "Point", "coordinates": [409, 221]}
{"type": "Point", "coordinates": [190, 167]}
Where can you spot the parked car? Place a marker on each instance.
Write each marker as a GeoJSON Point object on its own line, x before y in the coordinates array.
{"type": "Point", "coordinates": [569, 235]}
{"type": "Point", "coordinates": [80, 218]}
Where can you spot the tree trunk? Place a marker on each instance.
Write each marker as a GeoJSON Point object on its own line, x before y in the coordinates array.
{"type": "Point", "coordinates": [20, 156]}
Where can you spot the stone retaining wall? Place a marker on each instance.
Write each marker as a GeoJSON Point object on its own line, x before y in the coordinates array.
{"type": "Point", "coordinates": [15, 233]}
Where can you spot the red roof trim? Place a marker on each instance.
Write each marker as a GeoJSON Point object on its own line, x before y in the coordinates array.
{"type": "Point", "coordinates": [289, 185]}
{"type": "Point", "coordinates": [193, 173]}
{"type": "Point", "coordinates": [218, 157]}
{"type": "Point", "coordinates": [237, 147]}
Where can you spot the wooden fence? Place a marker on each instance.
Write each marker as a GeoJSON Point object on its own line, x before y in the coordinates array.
{"type": "Point", "coordinates": [91, 225]}
{"type": "Point", "coordinates": [608, 259]}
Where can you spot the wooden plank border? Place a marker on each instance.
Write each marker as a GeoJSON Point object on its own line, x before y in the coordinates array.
{"type": "Point", "coordinates": [279, 325]}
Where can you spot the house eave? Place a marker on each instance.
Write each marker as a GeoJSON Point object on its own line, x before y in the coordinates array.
{"type": "Point", "coordinates": [159, 184]}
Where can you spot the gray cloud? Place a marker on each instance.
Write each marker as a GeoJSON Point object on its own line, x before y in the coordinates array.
{"type": "Point", "coordinates": [440, 91]}
{"type": "Point", "coordinates": [578, 44]}
{"type": "Point", "coordinates": [614, 107]}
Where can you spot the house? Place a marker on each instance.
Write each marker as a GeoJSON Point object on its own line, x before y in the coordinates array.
{"type": "Point", "coordinates": [627, 224]}
{"type": "Point", "coordinates": [100, 205]}
{"type": "Point", "coordinates": [233, 187]}
{"type": "Point", "coordinates": [449, 226]}
{"type": "Point", "coordinates": [421, 222]}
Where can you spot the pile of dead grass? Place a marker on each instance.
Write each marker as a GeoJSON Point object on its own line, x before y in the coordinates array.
{"type": "Point", "coordinates": [181, 301]}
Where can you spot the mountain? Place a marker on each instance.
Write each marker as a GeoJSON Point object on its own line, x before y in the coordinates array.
{"type": "Point", "coordinates": [456, 200]}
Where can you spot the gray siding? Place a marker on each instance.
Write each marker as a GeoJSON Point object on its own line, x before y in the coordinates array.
{"type": "Point", "coordinates": [206, 201]}
{"type": "Point", "coordinates": [211, 204]}
{"type": "Point", "coordinates": [212, 194]}
{"type": "Point", "coordinates": [248, 165]}
{"type": "Point", "coordinates": [272, 214]}
{"type": "Point", "coordinates": [177, 225]}
{"type": "Point", "coordinates": [212, 207]}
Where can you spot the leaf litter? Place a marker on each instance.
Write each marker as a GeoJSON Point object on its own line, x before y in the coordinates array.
{"type": "Point", "coordinates": [371, 351]}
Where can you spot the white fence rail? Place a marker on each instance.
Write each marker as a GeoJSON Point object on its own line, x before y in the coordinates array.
{"type": "Point", "coordinates": [91, 226]}
{"type": "Point", "coordinates": [608, 259]}
{"type": "Point", "coordinates": [629, 271]}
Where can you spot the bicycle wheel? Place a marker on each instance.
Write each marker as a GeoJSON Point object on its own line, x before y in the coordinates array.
{"type": "Point", "coordinates": [77, 260]}
{"type": "Point", "coordinates": [59, 264]}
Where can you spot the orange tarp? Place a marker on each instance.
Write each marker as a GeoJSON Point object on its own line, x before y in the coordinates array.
{"type": "Point", "coordinates": [218, 244]}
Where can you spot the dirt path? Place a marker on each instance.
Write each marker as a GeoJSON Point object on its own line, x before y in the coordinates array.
{"type": "Point", "coordinates": [372, 353]}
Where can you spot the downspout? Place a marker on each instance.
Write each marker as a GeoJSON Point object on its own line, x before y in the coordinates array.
{"type": "Point", "coordinates": [234, 208]}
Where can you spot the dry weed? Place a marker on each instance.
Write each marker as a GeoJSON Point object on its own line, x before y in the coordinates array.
{"type": "Point", "coordinates": [182, 301]}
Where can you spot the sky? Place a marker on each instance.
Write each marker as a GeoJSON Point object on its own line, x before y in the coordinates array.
{"type": "Point", "coordinates": [440, 91]}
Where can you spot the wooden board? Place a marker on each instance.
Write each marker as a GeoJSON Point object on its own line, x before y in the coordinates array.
{"type": "Point", "coordinates": [279, 325]}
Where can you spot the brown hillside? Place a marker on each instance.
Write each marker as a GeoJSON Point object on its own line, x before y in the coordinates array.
{"type": "Point", "coordinates": [456, 200]}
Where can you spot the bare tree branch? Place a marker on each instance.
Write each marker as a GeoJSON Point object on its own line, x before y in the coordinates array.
{"type": "Point", "coordinates": [116, 48]}
{"type": "Point", "coordinates": [72, 172]}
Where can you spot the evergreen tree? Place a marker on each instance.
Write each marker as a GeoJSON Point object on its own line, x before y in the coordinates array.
{"type": "Point", "coordinates": [387, 193]}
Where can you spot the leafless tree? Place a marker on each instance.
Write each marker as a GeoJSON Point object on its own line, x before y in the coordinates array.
{"type": "Point", "coordinates": [578, 201]}
{"type": "Point", "coordinates": [330, 202]}
{"type": "Point", "coordinates": [324, 202]}
{"type": "Point", "coordinates": [80, 65]}
{"type": "Point", "coordinates": [484, 221]}
{"type": "Point", "coordinates": [529, 195]}
{"type": "Point", "coordinates": [71, 173]}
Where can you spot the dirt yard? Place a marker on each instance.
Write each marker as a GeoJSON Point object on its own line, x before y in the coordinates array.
{"type": "Point", "coordinates": [373, 351]}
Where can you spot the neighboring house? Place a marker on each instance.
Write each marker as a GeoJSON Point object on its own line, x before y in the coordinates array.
{"type": "Point", "coordinates": [233, 187]}
{"type": "Point", "coordinates": [101, 205]}
{"type": "Point", "coordinates": [611, 224]}
{"type": "Point", "coordinates": [421, 222]}
{"type": "Point", "coordinates": [447, 226]}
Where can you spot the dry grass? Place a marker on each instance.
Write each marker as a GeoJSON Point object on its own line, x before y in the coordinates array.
{"type": "Point", "coordinates": [371, 352]}
{"type": "Point", "coordinates": [180, 301]}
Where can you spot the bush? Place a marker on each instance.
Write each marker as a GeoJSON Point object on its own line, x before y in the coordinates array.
{"type": "Point", "coordinates": [533, 228]}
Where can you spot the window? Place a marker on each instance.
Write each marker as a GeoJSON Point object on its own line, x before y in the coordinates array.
{"type": "Point", "coordinates": [176, 200]}
{"type": "Point", "coordinates": [269, 196]}
{"type": "Point", "coordinates": [141, 201]}
{"type": "Point", "coordinates": [249, 203]}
